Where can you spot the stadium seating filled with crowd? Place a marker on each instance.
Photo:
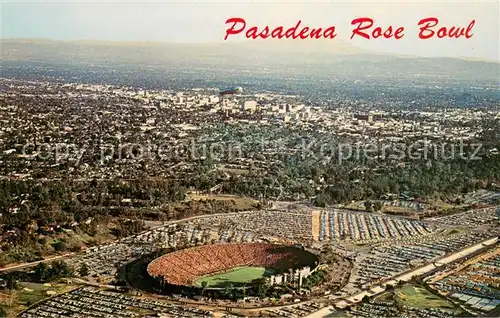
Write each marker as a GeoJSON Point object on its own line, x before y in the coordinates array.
{"type": "Point", "coordinates": [182, 267]}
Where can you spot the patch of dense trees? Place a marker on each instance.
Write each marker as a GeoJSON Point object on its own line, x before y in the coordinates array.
{"type": "Point", "coordinates": [37, 214]}
{"type": "Point", "coordinates": [42, 273]}
{"type": "Point", "coordinates": [41, 218]}
{"type": "Point", "coordinates": [319, 171]}
{"type": "Point", "coordinates": [52, 272]}
{"type": "Point", "coordinates": [329, 184]}
{"type": "Point", "coordinates": [314, 279]}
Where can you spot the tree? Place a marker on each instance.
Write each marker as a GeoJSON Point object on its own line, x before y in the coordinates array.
{"type": "Point", "coordinates": [204, 286]}
{"type": "Point", "coordinates": [231, 290]}
{"type": "Point", "coordinates": [377, 205]}
{"type": "Point", "coordinates": [11, 282]}
{"type": "Point", "coordinates": [84, 270]}
{"type": "Point", "coordinates": [320, 201]}
{"type": "Point", "coordinates": [227, 290]}
{"type": "Point", "coordinates": [60, 246]}
{"type": "Point", "coordinates": [162, 282]}
{"type": "Point", "coordinates": [59, 269]}
{"type": "Point", "coordinates": [261, 287]}
{"type": "Point", "coordinates": [243, 292]}
{"type": "Point", "coordinates": [40, 272]}
{"type": "Point", "coordinates": [3, 312]}
{"type": "Point", "coordinates": [368, 205]}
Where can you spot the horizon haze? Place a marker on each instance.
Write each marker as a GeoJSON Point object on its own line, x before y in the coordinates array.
{"type": "Point", "coordinates": [204, 22]}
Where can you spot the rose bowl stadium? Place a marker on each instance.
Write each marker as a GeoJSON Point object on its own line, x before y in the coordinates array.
{"type": "Point", "coordinates": [233, 264]}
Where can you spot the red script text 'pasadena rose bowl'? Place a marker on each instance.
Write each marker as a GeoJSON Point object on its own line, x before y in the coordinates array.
{"type": "Point", "coordinates": [363, 27]}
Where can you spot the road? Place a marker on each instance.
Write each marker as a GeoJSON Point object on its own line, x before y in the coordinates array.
{"type": "Point", "coordinates": [32, 264]}
{"type": "Point", "coordinates": [376, 290]}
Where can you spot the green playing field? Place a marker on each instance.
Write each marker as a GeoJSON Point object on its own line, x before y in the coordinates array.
{"type": "Point", "coordinates": [236, 277]}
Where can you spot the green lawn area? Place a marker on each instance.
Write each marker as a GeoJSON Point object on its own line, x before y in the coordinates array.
{"type": "Point", "coordinates": [236, 276]}
{"type": "Point", "coordinates": [385, 297]}
{"type": "Point", "coordinates": [28, 294]}
{"type": "Point", "coordinates": [419, 297]}
{"type": "Point", "coordinates": [35, 292]}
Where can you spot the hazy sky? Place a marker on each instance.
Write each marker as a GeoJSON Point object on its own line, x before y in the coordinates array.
{"type": "Point", "coordinates": [204, 21]}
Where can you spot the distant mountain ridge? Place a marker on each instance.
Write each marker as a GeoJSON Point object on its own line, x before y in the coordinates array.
{"type": "Point", "coordinates": [336, 56]}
